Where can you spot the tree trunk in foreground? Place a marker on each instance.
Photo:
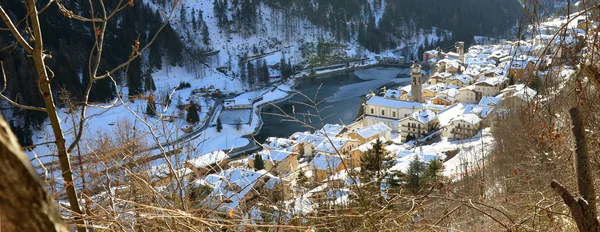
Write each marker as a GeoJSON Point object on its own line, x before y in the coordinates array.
{"type": "Point", "coordinates": [583, 209]}
{"type": "Point", "coordinates": [24, 203]}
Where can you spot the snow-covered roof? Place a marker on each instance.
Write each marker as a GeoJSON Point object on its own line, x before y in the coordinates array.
{"type": "Point", "coordinates": [465, 79]}
{"type": "Point", "coordinates": [469, 87]}
{"type": "Point", "coordinates": [275, 155]}
{"type": "Point", "coordinates": [452, 112]}
{"type": "Point", "coordinates": [435, 107]}
{"type": "Point", "coordinates": [392, 93]}
{"type": "Point", "coordinates": [423, 116]}
{"type": "Point", "coordinates": [441, 97]}
{"type": "Point", "coordinates": [469, 118]}
{"type": "Point", "coordinates": [275, 143]}
{"type": "Point", "coordinates": [493, 81]}
{"type": "Point", "coordinates": [303, 137]}
{"type": "Point", "coordinates": [521, 91]}
{"type": "Point", "coordinates": [521, 62]}
{"type": "Point", "coordinates": [451, 93]}
{"type": "Point", "coordinates": [224, 194]}
{"type": "Point", "coordinates": [237, 101]}
{"type": "Point", "coordinates": [336, 144]}
{"type": "Point", "coordinates": [489, 101]}
{"type": "Point", "coordinates": [381, 101]}
{"type": "Point", "coordinates": [326, 162]}
{"type": "Point", "coordinates": [208, 159]}
{"type": "Point", "coordinates": [330, 130]}
{"type": "Point", "coordinates": [373, 130]}
{"type": "Point", "coordinates": [437, 87]}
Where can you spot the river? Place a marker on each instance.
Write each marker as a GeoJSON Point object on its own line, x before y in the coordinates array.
{"type": "Point", "coordinates": [343, 92]}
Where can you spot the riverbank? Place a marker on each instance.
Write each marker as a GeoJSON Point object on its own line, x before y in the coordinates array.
{"type": "Point", "coordinates": [280, 92]}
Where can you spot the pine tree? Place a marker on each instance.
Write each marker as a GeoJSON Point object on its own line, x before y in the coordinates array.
{"type": "Point", "coordinates": [433, 172]}
{"type": "Point", "coordinates": [375, 162]}
{"type": "Point", "coordinates": [251, 74]}
{"type": "Point", "coordinates": [259, 164]}
{"type": "Point", "coordinates": [243, 71]}
{"type": "Point", "coordinates": [182, 15]}
{"type": "Point", "coordinates": [203, 28]}
{"type": "Point", "coordinates": [219, 125]}
{"type": "Point", "coordinates": [535, 83]}
{"type": "Point", "coordinates": [179, 101]}
{"type": "Point", "coordinates": [361, 108]}
{"type": "Point", "coordinates": [414, 175]}
{"type": "Point", "coordinates": [134, 78]}
{"type": "Point", "coordinates": [192, 114]}
{"type": "Point", "coordinates": [303, 179]}
{"type": "Point", "coordinates": [264, 72]}
{"type": "Point", "coordinates": [194, 22]}
{"type": "Point", "coordinates": [291, 70]}
{"type": "Point", "coordinates": [283, 70]}
{"type": "Point", "coordinates": [150, 106]}
{"type": "Point", "coordinates": [149, 81]}
{"type": "Point", "coordinates": [205, 34]}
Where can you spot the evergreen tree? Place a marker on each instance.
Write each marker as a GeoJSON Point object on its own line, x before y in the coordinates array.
{"type": "Point", "coordinates": [150, 106]}
{"type": "Point", "coordinates": [259, 164]}
{"type": "Point", "coordinates": [203, 28]}
{"type": "Point", "coordinates": [247, 18]}
{"type": "Point", "coordinates": [134, 78]}
{"type": "Point", "coordinates": [149, 81]}
{"type": "Point", "coordinates": [410, 137]}
{"type": "Point", "coordinates": [205, 35]}
{"type": "Point", "coordinates": [23, 133]}
{"type": "Point", "coordinates": [362, 35]}
{"type": "Point", "coordinates": [194, 22]}
{"type": "Point", "coordinates": [361, 108]}
{"type": "Point", "coordinates": [535, 83]}
{"type": "Point", "coordinates": [291, 68]}
{"type": "Point", "coordinates": [243, 71]}
{"type": "Point", "coordinates": [433, 172]}
{"type": "Point", "coordinates": [251, 74]}
{"type": "Point", "coordinates": [414, 175]}
{"type": "Point", "coordinates": [182, 15]}
{"type": "Point", "coordinates": [264, 72]}
{"type": "Point", "coordinates": [283, 69]}
{"type": "Point", "coordinates": [375, 162]}
{"type": "Point", "coordinates": [220, 10]}
{"type": "Point", "coordinates": [179, 101]}
{"type": "Point", "coordinates": [192, 114]}
{"type": "Point", "coordinates": [219, 125]}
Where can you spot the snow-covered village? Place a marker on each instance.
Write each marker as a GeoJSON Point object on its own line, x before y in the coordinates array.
{"type": "Point", "coordinates": [250, 115]}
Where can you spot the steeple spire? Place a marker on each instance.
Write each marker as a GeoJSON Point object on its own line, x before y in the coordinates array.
{"type": "Point", "coordinates": [416, 82]}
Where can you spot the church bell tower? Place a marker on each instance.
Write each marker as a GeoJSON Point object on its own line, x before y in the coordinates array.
{"type": "Point", "coordinates": [416, 83]}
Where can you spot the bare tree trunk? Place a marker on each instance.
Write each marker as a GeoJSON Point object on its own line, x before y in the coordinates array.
{"type": "Point", "coordinates": [583, 209]}
{"type": "Point", "coordinates": [46, 90]}
{"type": "Point", "coordinates": [24, 203]}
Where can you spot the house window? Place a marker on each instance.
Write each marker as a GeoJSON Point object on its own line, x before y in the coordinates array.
{"type": "Point", "coordinates": [372, 111]}
{"type": "Point", "coordinates": [394, 114]}
{"type": "Point", "coordinates": [382, 112]}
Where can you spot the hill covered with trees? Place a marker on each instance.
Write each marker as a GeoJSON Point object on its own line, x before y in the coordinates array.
{"type": "Point", "coordinates": [380, 24]}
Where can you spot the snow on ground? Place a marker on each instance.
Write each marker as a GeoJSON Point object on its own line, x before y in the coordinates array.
{"type": "Point", "coordinates": [472, 153]}
{"type": "Point", "coordinates": [233, 117]}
